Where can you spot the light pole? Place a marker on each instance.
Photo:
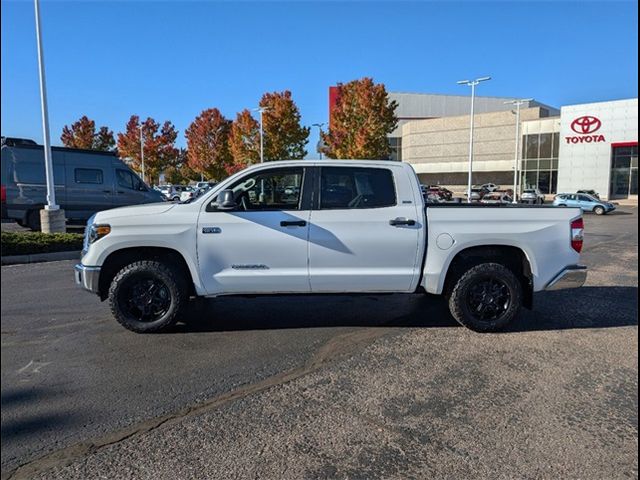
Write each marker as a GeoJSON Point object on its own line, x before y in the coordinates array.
{"type": "Point", "coordinates": [472, 84]}
{"type": "Point", "coordinates": [51, 217]}
{"type": "Point", "coordinates": [141, 151]}
{"type": "Point", "coordinates": [518, 102]}
{"type": "Point", "coordinates": [261, 110]}
{"type": "Point", "coordinates": [319, 125]}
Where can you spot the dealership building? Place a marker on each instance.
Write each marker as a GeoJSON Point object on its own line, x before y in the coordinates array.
{"type": "Point", "coordinates": [589, 146]}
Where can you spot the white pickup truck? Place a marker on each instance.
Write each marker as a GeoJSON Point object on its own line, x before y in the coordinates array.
{"type": "Point", "coordinates": [335, 226]}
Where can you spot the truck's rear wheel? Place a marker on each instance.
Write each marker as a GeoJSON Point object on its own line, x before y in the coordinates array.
{"type": "Point", "coordinates": [486, 298]}
{"type": "Point", "coordinates": [147, 296]}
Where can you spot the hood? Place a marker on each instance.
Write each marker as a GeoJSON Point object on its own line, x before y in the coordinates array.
{"type": "Point", "coordinates": [133, 211]}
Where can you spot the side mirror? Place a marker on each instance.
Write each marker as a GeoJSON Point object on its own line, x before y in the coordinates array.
{"type": "Point", "coordinates": [225, 201]}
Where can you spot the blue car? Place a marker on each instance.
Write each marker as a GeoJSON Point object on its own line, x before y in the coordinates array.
{"type": "Point", "coordinates": [586, 202]}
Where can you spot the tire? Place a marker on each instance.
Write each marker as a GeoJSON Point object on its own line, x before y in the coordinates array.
{"type": "Point", "coordinates": [599, 211]}
{"type": "Point", "coordinates": [494, 289]}
{"type": "Point", "coordinates": [33, 220]}
{"type": "Point", "coordinates": [147, 296]}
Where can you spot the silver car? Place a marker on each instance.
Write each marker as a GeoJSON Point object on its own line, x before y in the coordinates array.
{"type": "Point", "coordinates": [532, 195]}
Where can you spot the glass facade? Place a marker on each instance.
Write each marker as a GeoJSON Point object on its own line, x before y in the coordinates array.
{"type": "Point", "coordinates": [396, 148]}
{"type": "Point", "coordinates": [540, 161]}
{"type": "Point", "coordinates": [624, 171]}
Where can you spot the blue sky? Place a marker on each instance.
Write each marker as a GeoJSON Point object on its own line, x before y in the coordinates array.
{"type": "Point", "coordinates": [170, 60]}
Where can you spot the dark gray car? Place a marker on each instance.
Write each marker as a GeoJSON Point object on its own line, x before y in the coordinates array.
{"type": "Point", "coordinates": [86, 182]}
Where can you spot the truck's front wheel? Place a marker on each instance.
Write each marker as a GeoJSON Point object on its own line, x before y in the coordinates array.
{"type": "Point", "coordinates": [486, 298]}
{"type": "Point", "coordinates": [147, 296]}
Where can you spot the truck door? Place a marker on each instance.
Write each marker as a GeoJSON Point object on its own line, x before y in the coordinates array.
{"type": "Point", "coordinates": [364, 232]}
{"type": "Point", "coordinates": [261, 246]}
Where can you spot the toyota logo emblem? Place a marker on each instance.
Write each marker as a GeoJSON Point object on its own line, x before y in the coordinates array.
{"type": "Point", "coordinates": [586, 124]}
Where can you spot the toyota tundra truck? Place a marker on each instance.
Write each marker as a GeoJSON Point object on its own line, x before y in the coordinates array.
{"type": "Point", "coordinates": [328, 227]}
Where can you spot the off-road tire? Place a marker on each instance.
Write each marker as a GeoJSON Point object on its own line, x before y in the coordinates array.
{"type": "Point", "coordinates": [147, 269]}
{"type": "Point", "coordinates": [459, 298]}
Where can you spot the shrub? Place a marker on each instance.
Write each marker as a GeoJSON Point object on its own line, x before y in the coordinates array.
{"type": "Point", "coordinates": [25, 243]}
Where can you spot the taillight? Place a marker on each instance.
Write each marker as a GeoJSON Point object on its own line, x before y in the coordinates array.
{"type": "Point", "coordinates": [577, 234]}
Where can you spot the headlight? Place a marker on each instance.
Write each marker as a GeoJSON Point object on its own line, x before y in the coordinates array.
{"type": "Point", "coordinates": [96, 232]}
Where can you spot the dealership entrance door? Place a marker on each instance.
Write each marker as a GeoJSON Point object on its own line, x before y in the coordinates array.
{"type": "Point", "coordinates": [624, 170]}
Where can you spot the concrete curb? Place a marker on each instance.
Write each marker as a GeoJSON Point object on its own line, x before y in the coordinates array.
{"type": "Point", "coordinates": [40, 257]}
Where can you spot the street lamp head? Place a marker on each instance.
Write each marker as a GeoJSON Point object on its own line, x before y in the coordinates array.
{"type": "Point", "coordinates": [518, 101]}
{"type": "Point", "coordinates": [483, 79]}
{"type": "Point", "coordinates": [463, 82]}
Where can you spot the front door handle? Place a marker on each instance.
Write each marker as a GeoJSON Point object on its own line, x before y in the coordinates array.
{"type": "Point", "coordinates": [402, 221]}
{"type": "Point", "coordinates": [293, 223]}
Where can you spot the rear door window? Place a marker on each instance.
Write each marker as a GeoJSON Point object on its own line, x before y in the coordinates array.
{"type": "Point", "coordinates": [88, 175]}
{"type": "Point", "coordinates": [356, 188]}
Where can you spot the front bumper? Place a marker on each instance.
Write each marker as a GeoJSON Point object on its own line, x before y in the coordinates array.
{"type": "Point", "coordinates": [573, 276]}
{"type": "Point", "coordinates": [87, 277]}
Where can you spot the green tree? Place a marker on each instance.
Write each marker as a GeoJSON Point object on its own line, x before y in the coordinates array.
{"type": "Point", "coordinates": [361, 121]}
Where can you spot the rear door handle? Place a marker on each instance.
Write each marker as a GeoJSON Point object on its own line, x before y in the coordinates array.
{"type": "Point", "coordinates": [402, 221]}
{"type": "Point", "coordinates": [107, 191]}
{"type": "Point", "coordinates": [293, 223]}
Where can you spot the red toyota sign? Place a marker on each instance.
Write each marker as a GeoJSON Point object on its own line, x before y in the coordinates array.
{"type": "Point", "coordinates": [586, 126]}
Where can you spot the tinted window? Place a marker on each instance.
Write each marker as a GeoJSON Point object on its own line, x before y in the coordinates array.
{"type": "Point", "coordinates": [352, 187]}
{"type": "Point", "coordinates": [545, 145]}
{"type": "Point", "coordinates": [274, 189]}
{"type": "Point", "coordinates": [128, 180]}
{"type": "Point", "coordinates": [88, 175]}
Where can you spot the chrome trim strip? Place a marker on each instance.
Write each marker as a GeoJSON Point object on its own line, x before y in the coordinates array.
{"type": "Point", "coordinates": [573, 276]}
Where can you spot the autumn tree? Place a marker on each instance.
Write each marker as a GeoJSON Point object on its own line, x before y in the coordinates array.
{"type": "Point", "coordinates": [178, 171]}
{"type": "Point", "coordinates": [361, 121]}
{"type": "Point", "coordinates": [82, 134]}
{"type": "Point", "coordinates": [208, 144]}
{"type": "Point", "coordinates": [244, 142]}
{"type": "Point", "coordinates": [159, 145]}
{"type": "Point", "coordinates": [284, 137]}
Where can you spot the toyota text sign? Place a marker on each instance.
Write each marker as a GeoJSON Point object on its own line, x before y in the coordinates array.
{"type": "Point", "coordinates": [585, 127]}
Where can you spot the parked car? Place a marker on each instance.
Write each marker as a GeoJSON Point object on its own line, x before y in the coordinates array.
{"type": "Point", "coordinates": [170, 193]}
{"type": "Point", "coordinates": [86, 182]}
{"type": "Point", "coordinates": [532, 195]}
{"type": "Point", "coordinates": [444, 193]}
{"type": "Point", "coordinates": [593, 193]}
{"type": "Point", "coordinates": [477, 194]}
{"type": "Point", "coordinates": [188, 193]}
{"type": "Point", "coordinates": [355, 227]}
{"type": "Point", "coordinates": [496, 198]}
{"type": "Point", "coordinates": [206, 185]}
{"type": "Point", "coordinates": [173, 192]}
{"type": "Point", "coordinates": [583, 201]}
{"type": "Point", "coordinates": [489, 187]}
{"type": "Point", "coordinates": [192, 193]}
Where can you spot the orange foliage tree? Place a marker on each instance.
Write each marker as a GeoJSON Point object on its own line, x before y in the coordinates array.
{"type": "Point", "coordinates": [362, 119]}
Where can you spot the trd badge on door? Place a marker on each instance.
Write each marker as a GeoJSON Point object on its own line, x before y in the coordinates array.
{"type": "Point", "coordinates": [211, 230]}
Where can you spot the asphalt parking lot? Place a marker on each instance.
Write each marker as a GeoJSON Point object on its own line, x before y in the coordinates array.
{"type": "Point", "coordinates": [326, 387]}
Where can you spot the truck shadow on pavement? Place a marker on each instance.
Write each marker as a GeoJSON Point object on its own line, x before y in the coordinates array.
{"type": "Point", "coordinates": [587, 307]}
